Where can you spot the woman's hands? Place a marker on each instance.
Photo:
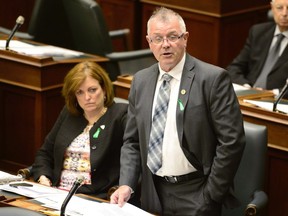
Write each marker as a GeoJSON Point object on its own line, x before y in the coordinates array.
{"type": "Point", "coordinates": [44, 180]}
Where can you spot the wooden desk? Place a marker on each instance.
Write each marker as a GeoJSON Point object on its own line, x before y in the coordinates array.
{"type": "Point", "coordinates": [277, 157]}
{"type": "Point", "coordinates": [122, 86]}
{"type": "Point", "coordinates": [30, 101]}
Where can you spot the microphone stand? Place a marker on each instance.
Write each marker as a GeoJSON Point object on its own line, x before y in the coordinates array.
{"type": "Point", "coordinates": [75, 187]}
{"type": "Point", "coordinates": [280, 96]}
{"type": "Point", "coordinates": [19, 22]}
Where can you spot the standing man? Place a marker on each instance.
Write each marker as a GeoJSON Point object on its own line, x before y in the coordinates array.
{"type": "Point", "coordinates": [188, 168]}
{"type": "Point", "coordinates": [255, 66]}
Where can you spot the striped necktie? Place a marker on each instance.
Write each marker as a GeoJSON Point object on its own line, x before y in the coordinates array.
{"type": "Point", "coordinates": [154, 159]}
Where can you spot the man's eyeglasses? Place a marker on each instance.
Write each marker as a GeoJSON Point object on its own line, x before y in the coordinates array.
{"type": "Point", "coordinates": [171, 38]}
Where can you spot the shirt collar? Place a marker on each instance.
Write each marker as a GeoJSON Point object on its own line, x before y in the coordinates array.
{"type": "Point", "coordinates": [176, 72]}
{"type": "Point", "coordinates": [277, 31]}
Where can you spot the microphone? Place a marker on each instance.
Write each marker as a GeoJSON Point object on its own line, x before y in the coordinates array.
{"type": "Point", "coordinates": [281, 94]}
{"type": "Point", "coordinates": [19, 22]}
{"type": "Point", "coordinates": [74, 188]}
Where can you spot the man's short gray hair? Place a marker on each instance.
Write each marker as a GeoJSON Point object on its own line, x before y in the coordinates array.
{"type": "Point", "coordinates": [164, 14]}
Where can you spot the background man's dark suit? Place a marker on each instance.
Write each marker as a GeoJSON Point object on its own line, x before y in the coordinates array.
{"type": "Point", "coordinates": [247, 66]}
{"type": "Point", "coordinates": [211, 120]}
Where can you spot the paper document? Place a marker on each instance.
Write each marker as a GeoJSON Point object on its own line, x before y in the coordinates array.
{"type": "Point", "coordinates": [268, 105]}
{"type": "Point", "coordinates": [80, 206]}
{"type": "Point", "coordinates": [15, 44]}
{"type": "Point", "coordinates": [238, 87]}
{"type": "Point", "coordinates": [6, 178]}
{"type": "Point", "coordinates": [33, 190]}
{"type": "Point", "coordinates": [53, 198]}
{"type": "Point", "coordinates": [36, 50]}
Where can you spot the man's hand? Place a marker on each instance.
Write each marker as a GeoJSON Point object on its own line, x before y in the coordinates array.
{"type": "Point", "coordinates": [121, 195]}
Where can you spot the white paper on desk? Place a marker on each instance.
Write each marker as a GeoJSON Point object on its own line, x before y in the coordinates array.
{"type": "Point", "coordinates": [34, 192]}
{"type": "Point", "coordinates": [6, 178]}
{"type": "Point", "coordinates": [268, 105]}
{"type": "Point", "coordinates": [79, 206]}
{"type": "Point", "coordinates": [15, 44]}
{"type": "Point", "coordinates": [36, 50]}
{"type": "Point", "coordinates": [49, 51]}
{"type": "Point", "coordinates": [238, 87]}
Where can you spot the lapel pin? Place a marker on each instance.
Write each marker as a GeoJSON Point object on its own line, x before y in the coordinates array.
{"type": "Point", "coordinates": [181, 104]}
{"type": "Point", "coordinates": [96, 134]}
{"type": "Point", "coordinates": [183, 91]}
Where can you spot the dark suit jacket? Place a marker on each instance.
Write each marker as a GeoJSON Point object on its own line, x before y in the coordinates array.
{"type": "Point", "coordinates": [211, 121]}
{"type": "Point", "coordinates": [247, 66]}
{"type": "Point", "coordinates": [104, 150]}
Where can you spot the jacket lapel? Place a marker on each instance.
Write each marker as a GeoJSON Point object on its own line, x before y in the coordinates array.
{"type": "Point", "coordinates": [184, 92]}
{"type": "Point", "coordinates": [149, 89]}
{"type": "Point", "coordinates": [266, 42]}
{"type": "Point", "coordinates": [282, 59]}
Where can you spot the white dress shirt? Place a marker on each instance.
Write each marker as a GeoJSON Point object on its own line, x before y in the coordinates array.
{"type": "Point", "coordinates": [174, 162]}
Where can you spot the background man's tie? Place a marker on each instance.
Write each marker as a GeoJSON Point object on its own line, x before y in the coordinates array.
{"type": "Point", "coordinates": [154, 160]}
{"type": "Point", "coordinates": [270, 62]}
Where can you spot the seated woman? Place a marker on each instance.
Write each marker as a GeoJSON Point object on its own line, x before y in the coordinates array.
{"type": "Point", "coordinates": [87, 136]}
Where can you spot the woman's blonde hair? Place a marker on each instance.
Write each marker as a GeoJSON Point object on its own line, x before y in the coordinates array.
{"type": "Point", "coordinates": [76, 77]}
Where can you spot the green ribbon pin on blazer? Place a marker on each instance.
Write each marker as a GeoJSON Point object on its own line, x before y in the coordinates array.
{"type": "Point", "coordinates": [96, 134]}
{"type": "Point", "coordinates": [180, 105]}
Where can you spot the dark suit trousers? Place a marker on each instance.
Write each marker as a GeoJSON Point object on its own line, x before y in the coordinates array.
{"type": "Point", "coordinates": [186, 198]}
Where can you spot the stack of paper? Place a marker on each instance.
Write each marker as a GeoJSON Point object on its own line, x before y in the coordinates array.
{"type": "Point", "coordinates": [5, 178]}
{"type": "Point", "coordinates": [268, 105]}
{"type": "Point", "coordinates": [53, 198]}
{"type": "Point", "coordinates": [38, 50]}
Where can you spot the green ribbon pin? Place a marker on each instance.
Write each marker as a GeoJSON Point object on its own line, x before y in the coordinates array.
{"type": "Point", "coordinates": [180, 105]}
{"type": "Point", "coordinates": [96, 134]}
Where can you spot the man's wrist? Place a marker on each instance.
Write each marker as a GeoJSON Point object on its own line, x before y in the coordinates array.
{"type": "Point", "coordinates": [131, 190]}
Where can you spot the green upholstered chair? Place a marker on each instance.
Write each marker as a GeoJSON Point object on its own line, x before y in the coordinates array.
{"type": "Point", "coordinates": [249, 179]}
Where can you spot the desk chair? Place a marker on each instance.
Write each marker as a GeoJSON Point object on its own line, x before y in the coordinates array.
{"type": "Point", "coordinates": [91, 35]}
{"type": "Point", "coordinates": [48, 24]}
{"type": "Point", "coordinates": [249, 179]}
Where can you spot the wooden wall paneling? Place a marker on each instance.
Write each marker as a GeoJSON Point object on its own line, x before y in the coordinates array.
{"type": "Point", "coordinates": [203, 36]}
{"type": "Point", "coordinates": [11, 9]}
{"type": "Point", "coordinates": [48, 106]}
{"type": "Point", "coordinates": [277, 186]}
{"type": "Point", "coordinates": [17, 135]}
{"type": "Point", "coordinates": [211, 7]}
{"type": "Point", "coordinates": [123, 14]}
{"type": "Point", "coordinates": [28, 116]}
